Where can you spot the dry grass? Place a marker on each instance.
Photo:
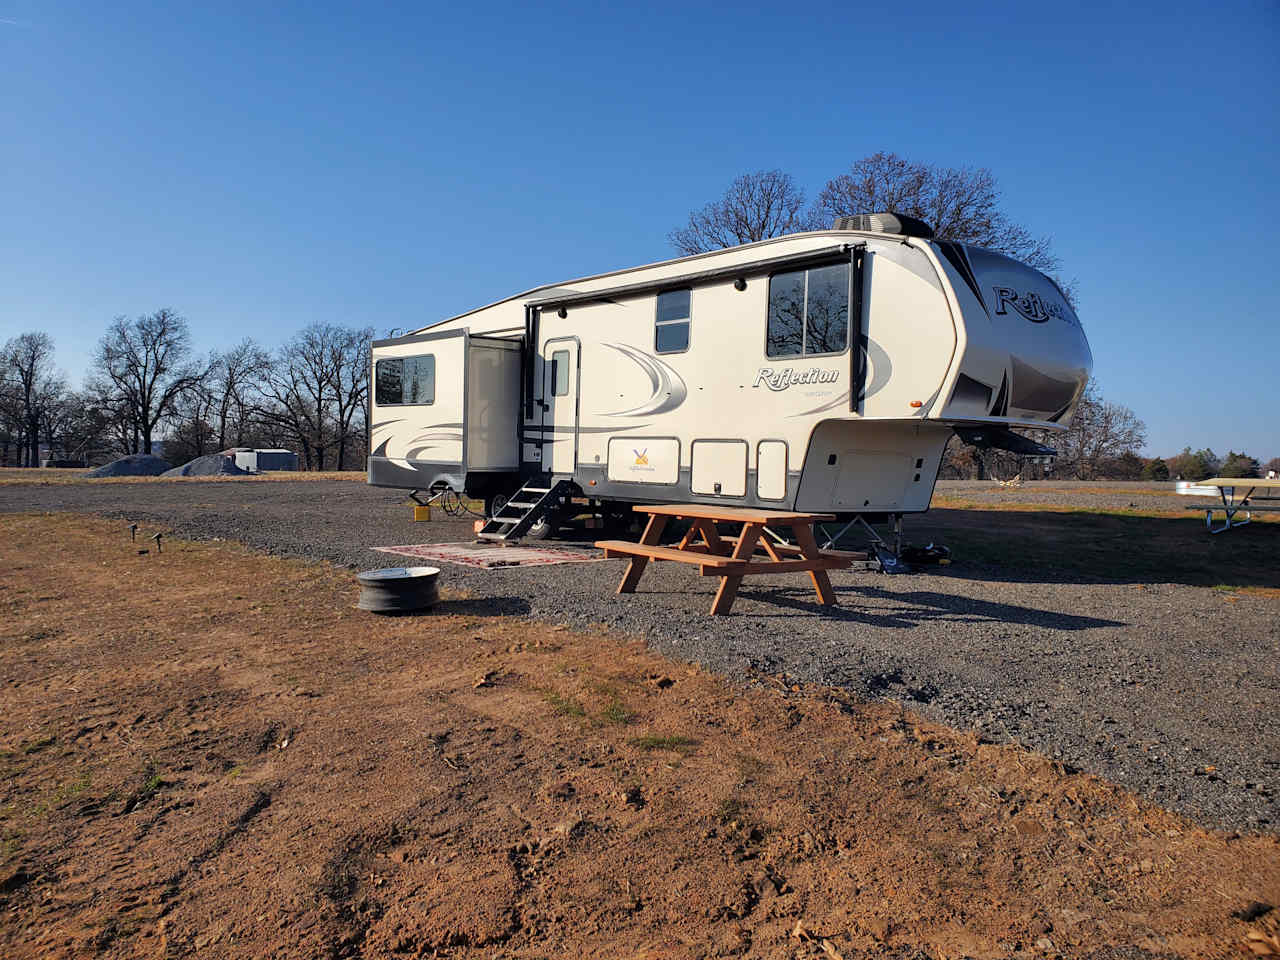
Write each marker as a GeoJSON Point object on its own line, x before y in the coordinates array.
{"type": "Point", "coordinates": [45, 476]}
{"type": "Point", "coordinates": [212, 752]}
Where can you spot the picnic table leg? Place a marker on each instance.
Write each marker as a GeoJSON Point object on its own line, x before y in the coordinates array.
{"type": "Point", "coordinates": [652, 534]}
{"type": "Point", "coordinates": [711, 537]}
{"type": "Point", "coordinates": [809, 550]}
{"type": "Point", "coordinates": [729, 584]}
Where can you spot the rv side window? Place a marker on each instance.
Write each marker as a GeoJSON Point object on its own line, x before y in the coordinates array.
{"type": "Point", "coordinates": [560, 373]}
{"type": "Point", "coordinates": [671, 333]}
{"type": "Point", "coordinates": [808, 311]}
{"type": "Point", "coordinates": [405, 380]}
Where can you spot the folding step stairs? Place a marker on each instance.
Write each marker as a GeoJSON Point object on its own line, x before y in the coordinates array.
{"type": "Point", "coordinates": [538, 498]}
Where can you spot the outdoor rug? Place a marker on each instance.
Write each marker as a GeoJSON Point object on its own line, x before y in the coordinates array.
{"type": "Point", "coordinates": [488, 556]}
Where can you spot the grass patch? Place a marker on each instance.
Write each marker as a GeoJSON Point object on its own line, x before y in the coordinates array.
{"type": "Point", "coordinates": [35, 746]}
{"type": "Point", "coordinates": [152, 784]}
{"type": "Point", "coordinates": [674, 743]}
{"type": "Point", "coordinates": [615, 712]}
{"type": "Point", "coordinates": [566, 706]}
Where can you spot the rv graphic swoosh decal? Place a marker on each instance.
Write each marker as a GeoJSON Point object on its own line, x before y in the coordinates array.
{"type": "Point", "coordinates": [669, 390]}
{"type": "Point", "coordinates": [881, 367]}
{"type": "Point", "coordinates": [839, 401]}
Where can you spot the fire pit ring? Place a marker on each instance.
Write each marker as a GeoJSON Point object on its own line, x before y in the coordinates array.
{"type": "Point", "coordinates": [398, 589]}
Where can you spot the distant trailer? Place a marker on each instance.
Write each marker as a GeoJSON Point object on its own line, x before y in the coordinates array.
{"type": "Point", "coordinates": [260, 461]}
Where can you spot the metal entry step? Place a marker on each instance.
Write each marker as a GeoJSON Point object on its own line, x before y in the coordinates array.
{"type": "Point", "coordinates": [538, 498]}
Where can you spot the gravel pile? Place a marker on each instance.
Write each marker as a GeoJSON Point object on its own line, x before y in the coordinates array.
{"type": "Point", "coordinates": [134, 465]}
{"type": "Point", "coordinates": [1167, 688]}
{"type": "Point", "coordinates": [213, 465]}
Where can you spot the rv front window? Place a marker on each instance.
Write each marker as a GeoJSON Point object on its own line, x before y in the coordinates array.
{"type": "Point", "coordinates": [405, 380]}
{"type": "Point", "coordinates": [671, 332]}
{"type": "Point", "coordinates": [560, 373]}
{"type": "Point", "coordinates": [808, 311]}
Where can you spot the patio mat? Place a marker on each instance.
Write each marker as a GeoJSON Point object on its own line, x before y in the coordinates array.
{"type": "Point", "coordinates": [488, 556]}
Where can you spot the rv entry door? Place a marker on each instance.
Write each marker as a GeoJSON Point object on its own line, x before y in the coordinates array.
{"type": "Point", "coordinates": [560, 405]}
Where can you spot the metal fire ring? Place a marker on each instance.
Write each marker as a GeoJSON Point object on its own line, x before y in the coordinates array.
{"type": "Point", "coordinates": [398, 589]}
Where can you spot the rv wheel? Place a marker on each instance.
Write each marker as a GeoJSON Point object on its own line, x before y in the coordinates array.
{"type": "Point", "coordinates": [542, 529]}
{"type": "Point", "coordinates": [493, 503]}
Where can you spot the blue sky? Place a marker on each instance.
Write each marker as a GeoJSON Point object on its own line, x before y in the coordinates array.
{"type": "Point", "coordinates": [257, 169]}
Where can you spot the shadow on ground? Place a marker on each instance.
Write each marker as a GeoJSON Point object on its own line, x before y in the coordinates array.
{"type": "Point", "coordinates": [913, 608]}
{"type": "Point", "coordinates": [1047, 546]}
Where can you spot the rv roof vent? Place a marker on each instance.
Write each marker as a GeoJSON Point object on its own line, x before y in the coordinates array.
{"type": "Point", "coordinates": [885, 223]}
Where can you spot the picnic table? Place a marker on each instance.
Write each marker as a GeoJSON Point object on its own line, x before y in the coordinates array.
{"type": "Point", "coordinates": [730, 557]}
{"type": "Point", "coordinates": [1232, 501]}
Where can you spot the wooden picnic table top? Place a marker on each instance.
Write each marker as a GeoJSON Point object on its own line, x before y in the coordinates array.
{"type": "Point", "coordinates": [712, 511]}
{"type": "Point", "coordinates": [1240, 482]}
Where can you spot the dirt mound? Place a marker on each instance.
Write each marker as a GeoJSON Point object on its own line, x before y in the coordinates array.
{"type": "Point", "coordinates": [134, 465]}
{"type": "Point", "coordinates": [213, 465]}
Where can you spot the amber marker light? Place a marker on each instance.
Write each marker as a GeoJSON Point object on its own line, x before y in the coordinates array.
{"type": "Point", "coordinates": [917, 403]}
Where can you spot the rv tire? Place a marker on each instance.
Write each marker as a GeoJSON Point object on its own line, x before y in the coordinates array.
{"type": "Point", "coordinates": [494, 502]}
{"type": "Point", "coordinates": [542, 529]}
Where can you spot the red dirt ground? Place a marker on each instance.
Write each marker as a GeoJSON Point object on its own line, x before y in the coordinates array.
{"type": "Point", "coordinates": [211, 751]}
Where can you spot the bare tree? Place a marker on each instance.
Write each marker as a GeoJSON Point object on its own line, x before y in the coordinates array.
{"type": "Point", "coordinates": [349, 369]}
{"type": "Point", "coordinates": [1099, 431]}
{"type": "Point", "coordinates": [299, 391]}
{"type": "Point", "coordinates": [28, 360]}
{"type": "Point", "coordinates": [756, 206]}
{"type": "Point", "coordinates": [234, 378]}
{"type": "Point", "coordinates": [960, 203]}
{"type": "Point", "coordinates": [145, 365]}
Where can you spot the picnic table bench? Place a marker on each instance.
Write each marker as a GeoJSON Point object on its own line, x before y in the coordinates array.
{"type": "Point", "coordinates": [1226, 488]}
{"type": "Point", "coordinates": [730, 557]}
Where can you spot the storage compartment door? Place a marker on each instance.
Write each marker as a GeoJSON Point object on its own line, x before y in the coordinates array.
{"type": "Point", "coordinates": [771, 470]}
{"type": "Point", "coordinates": [720, 468]}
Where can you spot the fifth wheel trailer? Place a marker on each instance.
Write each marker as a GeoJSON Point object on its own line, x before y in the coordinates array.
{"type": "Point", "coordinates": [820, 371]}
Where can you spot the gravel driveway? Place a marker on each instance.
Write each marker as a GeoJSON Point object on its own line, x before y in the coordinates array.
{"type": "Point", "coordinates": [1169, 688]}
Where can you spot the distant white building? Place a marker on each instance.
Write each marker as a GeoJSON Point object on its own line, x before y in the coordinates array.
{"type": "Point", "coordinates": [260, 461]}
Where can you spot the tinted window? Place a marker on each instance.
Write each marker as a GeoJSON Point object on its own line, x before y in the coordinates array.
{"type": "Point", "coordinates": [671, 333]}
{"type": "Point", "coordinates": [389, 382]}
{"type": "Point", "coordinates": [808, 311]}
{"type": "Point", "coordinates": [786, 314]}
{"type": "Point", "coordinates": [560, 373]}
{"type": "Point", "coordinates": [405, 380]}
{"type": "Point", "coordinates": [826, 312]}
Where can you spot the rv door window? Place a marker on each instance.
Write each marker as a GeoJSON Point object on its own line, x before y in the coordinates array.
{"type": "Point", "coordinates": [560, 373]}
{"type": "Point", "coordinates": [671, 332]}
{"type": "Point", "coordinates": [405, 380]}
{"type": "Point", "coordinates": [808, 311]}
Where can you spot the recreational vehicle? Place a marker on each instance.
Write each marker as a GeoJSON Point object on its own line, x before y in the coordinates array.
{"type": "Point", "coordinates": [820, 371]}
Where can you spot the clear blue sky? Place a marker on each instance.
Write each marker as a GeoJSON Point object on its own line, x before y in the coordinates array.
{"type": "Point", "coordinates": [257, 169]}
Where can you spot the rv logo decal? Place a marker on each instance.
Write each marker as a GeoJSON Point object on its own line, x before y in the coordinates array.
{"type": "Point", "coordinates": [790, 377]}
{"type": "Point", "coordinates": [1029, 305]}
{"type": "Point", "coordinates": [642, 456]}
{"type": "Point", "coordinates": [669, 390]}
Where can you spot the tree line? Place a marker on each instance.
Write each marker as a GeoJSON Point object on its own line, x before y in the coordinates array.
{"type": "Point", "coordinates": [147, 384]}
{"type": "Point", "coordinates": [1101, 443]}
